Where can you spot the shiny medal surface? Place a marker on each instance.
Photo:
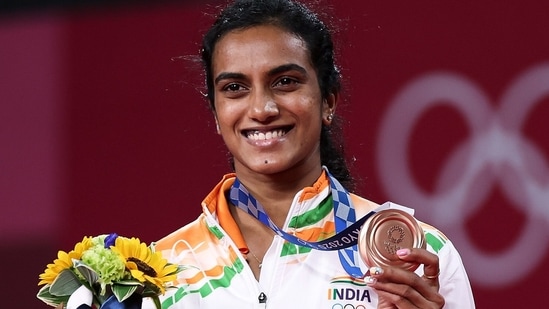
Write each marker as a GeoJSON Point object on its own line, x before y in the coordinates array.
{"type": "Point", "coordinates": [386, 232]}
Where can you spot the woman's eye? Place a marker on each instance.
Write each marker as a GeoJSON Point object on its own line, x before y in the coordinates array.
{"type": "Point", "coordinates": [233, 87]}
{"type": "Point", "coordinates": [286, 81]}
{"type": "Point", "coordinates": [286, 84]}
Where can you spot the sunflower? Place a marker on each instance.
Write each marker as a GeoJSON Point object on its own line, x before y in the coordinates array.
{"type": "Point", "coordinates": [144, 264]}
{"type": "Point", "coordinates": [64, 261]}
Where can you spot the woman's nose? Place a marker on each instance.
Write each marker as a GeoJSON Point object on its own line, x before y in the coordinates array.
{"type": "Point", "coordinates": [263, 106]}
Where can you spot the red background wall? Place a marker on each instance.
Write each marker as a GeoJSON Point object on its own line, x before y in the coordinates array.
{"type": "Point", "coordinates": [103, 129]}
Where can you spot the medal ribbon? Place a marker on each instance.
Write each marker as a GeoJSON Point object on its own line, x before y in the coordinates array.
{"type": "Point", "coordinates": [347, 227]}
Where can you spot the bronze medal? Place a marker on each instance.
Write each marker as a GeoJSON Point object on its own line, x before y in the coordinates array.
{"type": "Point", "coordinates": [384, 233]}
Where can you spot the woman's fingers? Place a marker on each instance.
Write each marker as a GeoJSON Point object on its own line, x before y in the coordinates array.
{"type": "Point", "coordinates": [404, 289]}
{"type": "Point", "coordinates": [389, 301]}
{"type": "Point", "coordinates": [431, 268]}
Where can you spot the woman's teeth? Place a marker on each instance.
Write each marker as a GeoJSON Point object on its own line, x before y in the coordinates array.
{"type": "Point", "coordinates": [258, 136]}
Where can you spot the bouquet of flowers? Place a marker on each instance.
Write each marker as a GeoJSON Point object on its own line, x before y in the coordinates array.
{"type": "Point", "coordinates": [106, 271]}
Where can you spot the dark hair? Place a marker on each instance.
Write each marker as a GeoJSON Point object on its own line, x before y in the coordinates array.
{"type": "Point", "coordinates": [302, 22]}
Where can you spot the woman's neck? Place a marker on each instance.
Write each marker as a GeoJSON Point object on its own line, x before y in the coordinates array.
{"type": "Point", "coordinates": [276, 192]}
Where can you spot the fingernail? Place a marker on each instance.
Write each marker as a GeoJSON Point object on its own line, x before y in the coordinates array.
{"type": "Point", "coordinates": [376, 270]}
{"type": "Point", "coordinates": [403, 252]}
{"type": "Point", "coordinates": [370, 280]}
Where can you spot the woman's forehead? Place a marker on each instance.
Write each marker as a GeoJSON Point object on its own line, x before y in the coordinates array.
{"type": "Point", "coordinates": [260, 45]}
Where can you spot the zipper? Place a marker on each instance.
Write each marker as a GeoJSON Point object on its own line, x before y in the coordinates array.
{"type": "Point", "coordinates": [262, 299]}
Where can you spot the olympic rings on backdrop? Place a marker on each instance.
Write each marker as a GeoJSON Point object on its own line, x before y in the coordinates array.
{"type": "Point", "coordinates": [496, 154]}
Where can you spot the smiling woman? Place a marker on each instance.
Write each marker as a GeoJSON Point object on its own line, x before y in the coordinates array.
{"type": "Point", "coordinates": [273, 88]}
{"type": "Point", "coordinates": [268, 105]}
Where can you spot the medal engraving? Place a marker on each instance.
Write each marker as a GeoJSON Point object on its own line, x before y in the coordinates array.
{"type": "Point", "coordinates": [395, 235]}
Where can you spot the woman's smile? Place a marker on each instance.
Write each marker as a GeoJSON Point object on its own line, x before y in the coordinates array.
{"type": "Point", "coordinates": [263, 135]}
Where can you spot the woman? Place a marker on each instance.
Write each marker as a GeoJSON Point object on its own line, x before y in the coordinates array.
{"type": "Point", "coordinates": [274, 87]}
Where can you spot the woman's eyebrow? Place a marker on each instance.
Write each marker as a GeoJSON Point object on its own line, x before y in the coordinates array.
{"type": "Point", "coordinates": [228, 75]}
{"type": "Point", "coordinates": [275, 71]}
{"type": "Point", "coordinates": [287, 67]}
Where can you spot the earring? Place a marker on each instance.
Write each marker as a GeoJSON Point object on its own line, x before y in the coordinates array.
{"type": "Point", "coordinates": [330, 117]}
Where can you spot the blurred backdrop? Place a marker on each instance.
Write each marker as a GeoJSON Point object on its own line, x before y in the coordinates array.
{"type": "Point", "coordinates": [103, 127]}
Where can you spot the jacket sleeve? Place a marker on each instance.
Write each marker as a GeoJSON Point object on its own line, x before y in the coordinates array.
{"type": "Point", "coordinates": [454, 283]}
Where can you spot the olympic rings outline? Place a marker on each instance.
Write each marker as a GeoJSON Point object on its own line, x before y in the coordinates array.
{"type": "Point", "coordinates": [341, 306]}
{"type": "Point", "coordinates": [490, 130]}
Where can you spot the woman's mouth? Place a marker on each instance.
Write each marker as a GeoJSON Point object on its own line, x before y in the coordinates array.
{"type": "Point", "coordinates": [257, 135]}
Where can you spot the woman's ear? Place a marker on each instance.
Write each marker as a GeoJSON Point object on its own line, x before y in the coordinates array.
{"type": "Point", "coordinates": [329, 105]}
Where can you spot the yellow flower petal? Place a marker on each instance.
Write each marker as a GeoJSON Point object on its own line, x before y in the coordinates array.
{"type": "Point", "coordinates": [64, 261]}
{"type": "Point", "coordinates": [143, 264]}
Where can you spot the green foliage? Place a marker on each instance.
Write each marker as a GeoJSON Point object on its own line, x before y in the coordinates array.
{"type": "Point", "coordinates": [65, 284]}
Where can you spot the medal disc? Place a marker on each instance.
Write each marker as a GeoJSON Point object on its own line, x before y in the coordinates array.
{"type": "Point", "coordinates": [386, 232]}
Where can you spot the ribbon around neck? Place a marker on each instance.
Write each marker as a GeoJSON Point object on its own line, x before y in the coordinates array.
{"type": "Point", "coordinates": [347, 227]}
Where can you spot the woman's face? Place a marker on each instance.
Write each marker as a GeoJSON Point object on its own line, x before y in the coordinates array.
{"type": "Point", "coordinates": [268, 104]}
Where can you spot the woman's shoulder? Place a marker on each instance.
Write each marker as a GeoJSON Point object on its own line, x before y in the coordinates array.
{"type": "Point", "coordinates": [362, 205]}
{"type": "Point", "coordinates": [188, 233]}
